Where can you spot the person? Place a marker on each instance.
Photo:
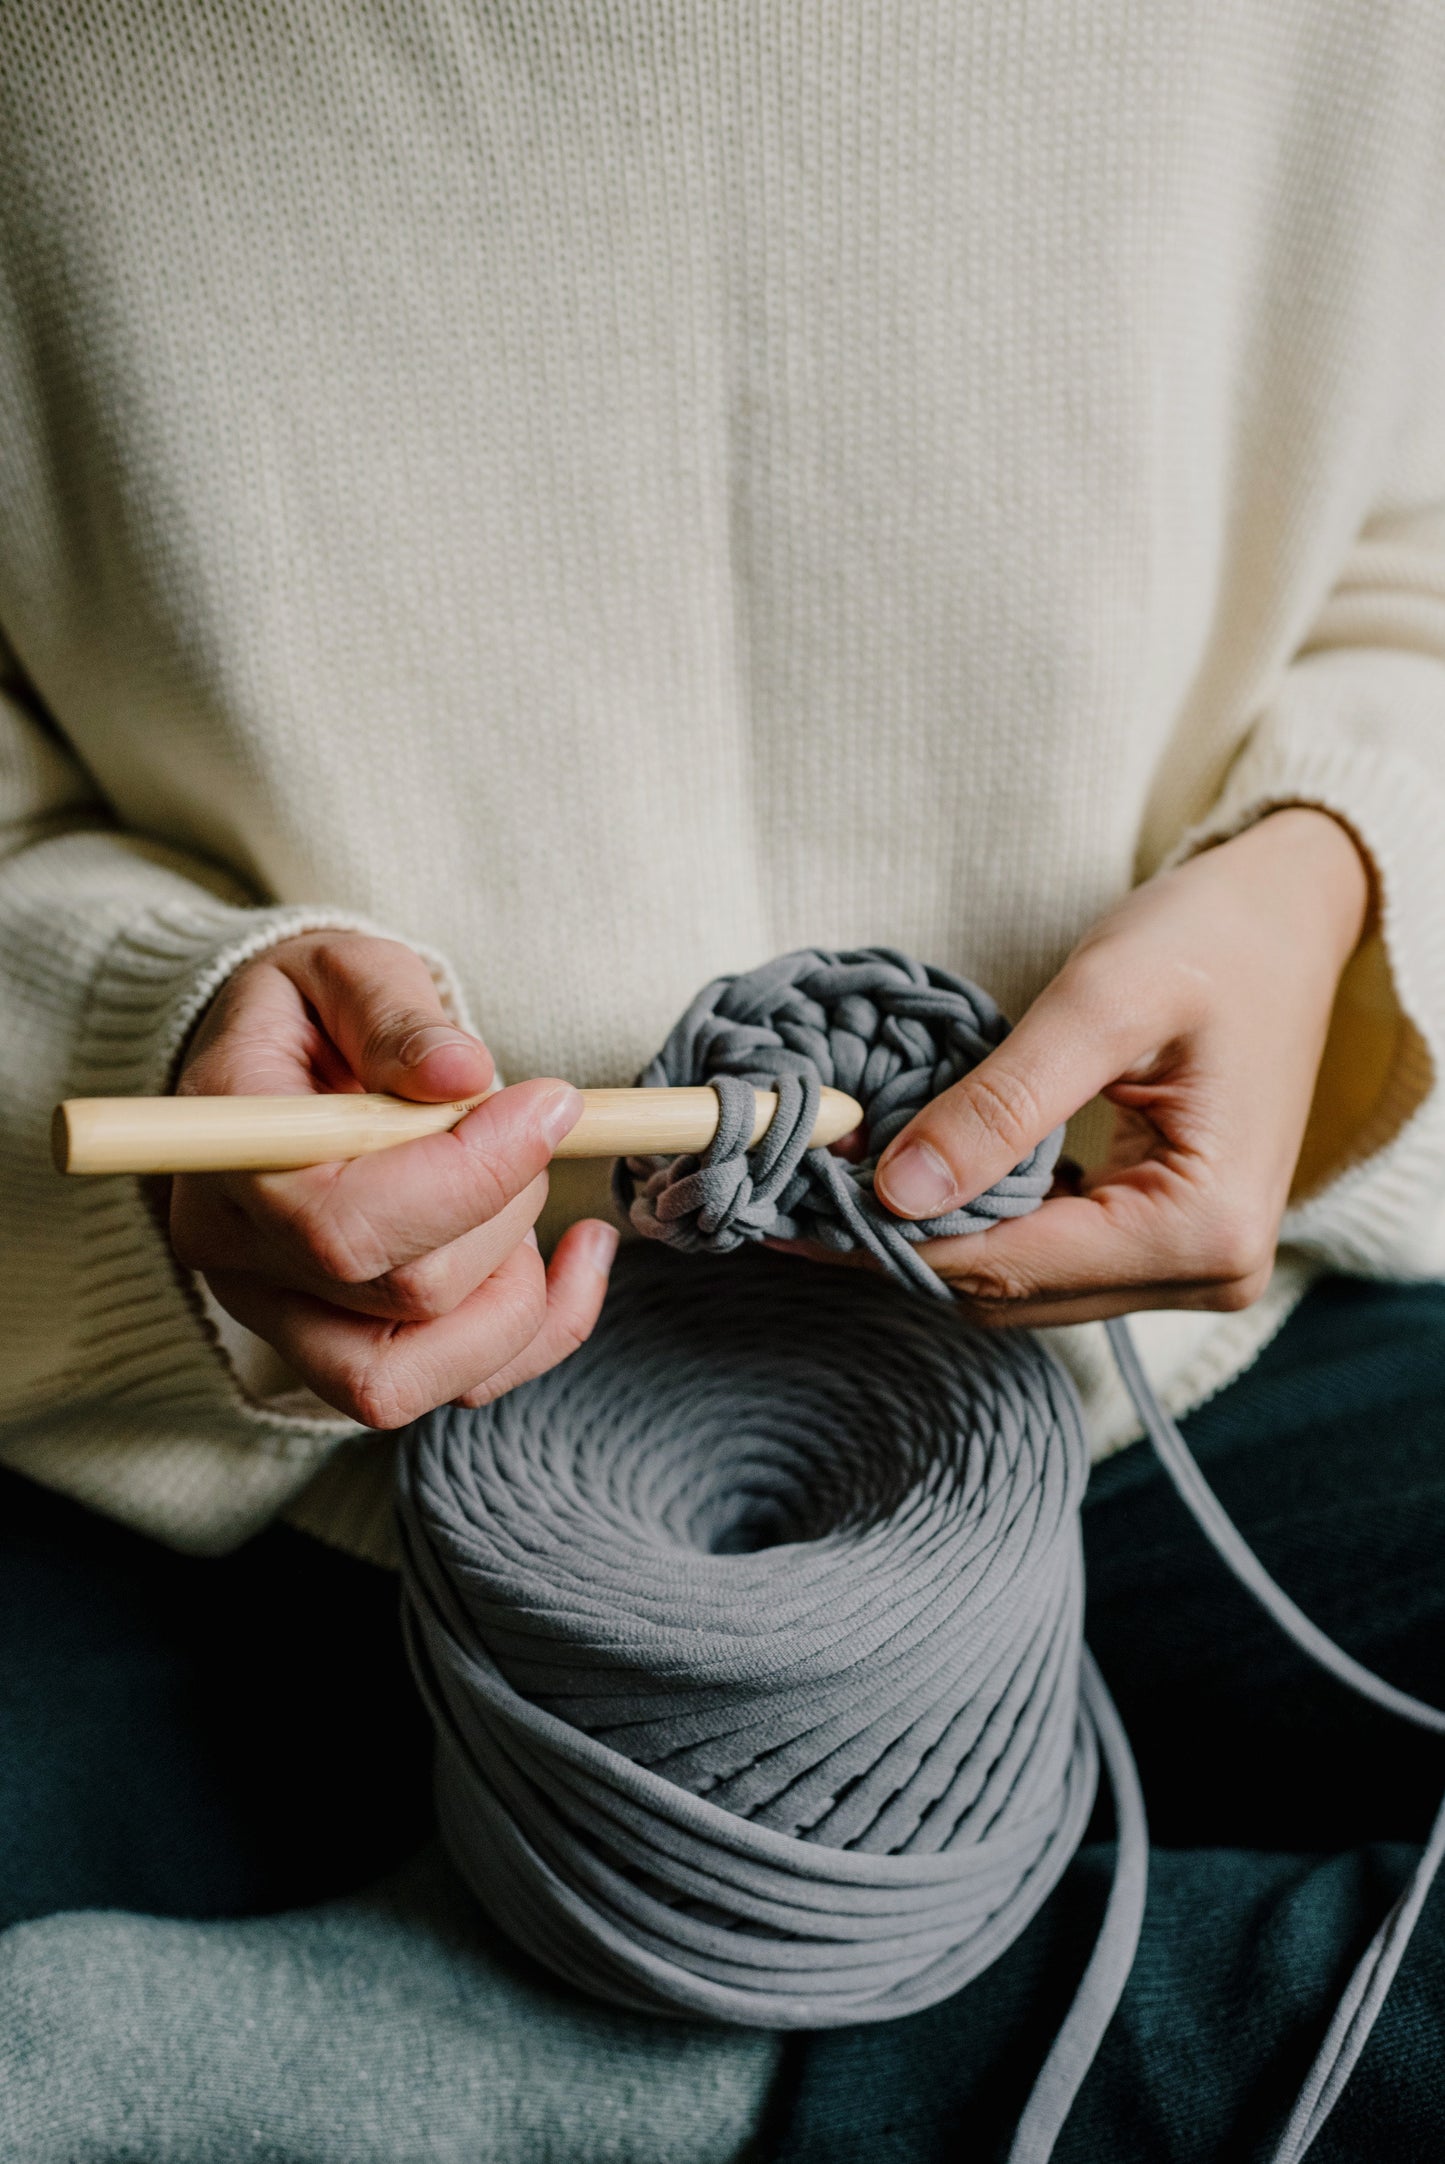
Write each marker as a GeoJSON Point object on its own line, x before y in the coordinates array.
{"type": "Point", "coordinates": [505, 515]}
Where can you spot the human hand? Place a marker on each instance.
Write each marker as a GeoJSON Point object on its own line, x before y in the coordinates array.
{"type": "Point", "coordinates": [394, 1282]}
{"type": "Point", "coordinates": [1198, 1007]}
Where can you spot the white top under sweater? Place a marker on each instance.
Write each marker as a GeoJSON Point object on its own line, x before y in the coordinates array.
{"type": "Point", "coordinates": [609, 492]}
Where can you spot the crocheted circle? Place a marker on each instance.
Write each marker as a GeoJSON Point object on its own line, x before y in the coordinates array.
{"type": "Point", "coordinates": [892, 1032]}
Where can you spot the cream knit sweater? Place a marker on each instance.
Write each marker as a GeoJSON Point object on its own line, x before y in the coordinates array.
{"type": "Point", "coordinates": [610, 491]}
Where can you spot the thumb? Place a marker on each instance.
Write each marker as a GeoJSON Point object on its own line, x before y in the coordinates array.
{"type": "Point", "coordinates": [1063, 1052]}
{"type": "Point", "coordinates": [378, 1003]}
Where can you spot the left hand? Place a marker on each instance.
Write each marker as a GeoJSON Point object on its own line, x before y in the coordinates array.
{"type": "Point", "coordinates": [1198, 1007]}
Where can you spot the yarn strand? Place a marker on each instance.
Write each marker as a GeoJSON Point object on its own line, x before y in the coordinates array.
{"type": "Point", "coordinates": [1365, 1993]}
{"type": "Point", "coordinates": [1101, 1987]}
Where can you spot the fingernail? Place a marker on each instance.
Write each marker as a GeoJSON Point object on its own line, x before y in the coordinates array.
{"type": "Point", "coordinates": [601, 1247]}
{"type": "Point", "coordinates": [916, 1183]}
{"type": "Point", "coordinates": [529, 1239]}
{"type": "Point", "coordinates": [560, 1113]}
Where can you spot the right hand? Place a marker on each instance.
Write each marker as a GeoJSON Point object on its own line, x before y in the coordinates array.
{"type": "Point", "coordinates": [395, 1282]}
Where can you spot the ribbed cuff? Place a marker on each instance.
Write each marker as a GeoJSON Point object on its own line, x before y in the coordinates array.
{"type": "Point", "coordinates": [162, 972]}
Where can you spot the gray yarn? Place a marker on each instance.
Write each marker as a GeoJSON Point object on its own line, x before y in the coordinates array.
{"type": "Point", "coordinates": [889, 1031]}
{"type": "Point", "coordinates": [753, 1633]}
{"type": "Point", "coordinates": [775, 1684]}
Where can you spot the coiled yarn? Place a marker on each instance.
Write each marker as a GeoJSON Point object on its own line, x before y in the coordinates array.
{"type": "Point", "coordinates": [888, 1030]}
{"type": "Point", "coordinates": [753, 1633]}
{"type": "Point", "coordinates": [765, 1619]}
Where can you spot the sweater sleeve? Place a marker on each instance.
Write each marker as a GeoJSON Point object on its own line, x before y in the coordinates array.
{"type": "Point", "coordinates": [1357, 727]}
{"type": "Point", "coordinates": [114, 1383]}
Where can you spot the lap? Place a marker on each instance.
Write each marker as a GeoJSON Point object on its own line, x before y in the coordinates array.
{"type": "Point", "coordinates": [196, 1736]}
{"type": "Point", "coordinates": [392, 2025]}
{"type": "Point", "coordinates": [1242, 1958]}
{"type": "Point", "coordinates": [218, 1738]}
{"type": "Point", "coordinates": [1329, 1454]}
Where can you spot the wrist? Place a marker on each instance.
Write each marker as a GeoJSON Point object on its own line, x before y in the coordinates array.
{"type": "Point", "coordinates": [1323, 863]}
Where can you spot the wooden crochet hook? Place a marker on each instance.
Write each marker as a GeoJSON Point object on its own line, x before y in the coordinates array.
{"type": "Point", "coordinates": [277, 1134]}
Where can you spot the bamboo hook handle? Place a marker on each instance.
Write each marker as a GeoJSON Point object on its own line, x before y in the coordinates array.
{"type": "Point", "coordinates": [278, 1134]}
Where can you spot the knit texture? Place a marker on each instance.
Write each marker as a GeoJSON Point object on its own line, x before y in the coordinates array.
{"type": "Point", "coordinates": [391, 2028]}
{"type": "Point", "coordinates": [610, 495]}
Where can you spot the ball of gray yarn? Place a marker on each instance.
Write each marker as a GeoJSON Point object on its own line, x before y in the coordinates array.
{"type": "Point", "coordinates": [752, 1639]}
{"type": "Point", "coordinates": [752, 1634]}
{"type": "Point", "coordinates": [893, 1033]}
